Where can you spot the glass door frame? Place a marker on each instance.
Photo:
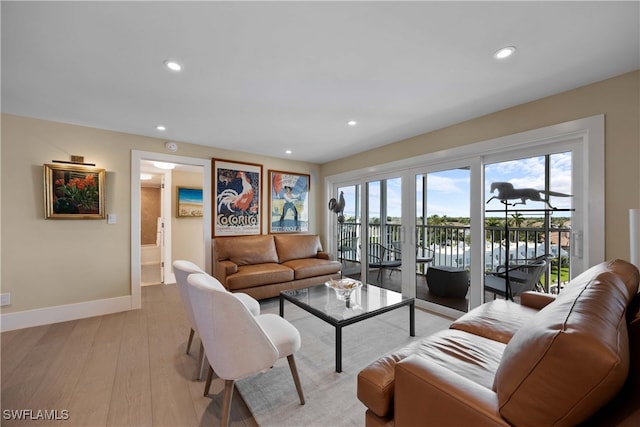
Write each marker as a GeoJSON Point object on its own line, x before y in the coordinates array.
{"type": "Point", "coordinates": [364, 249]}
{"type": "Point", "coordinates": [588, 135]}
{"type": "Point", "coordinates": [476, 228]}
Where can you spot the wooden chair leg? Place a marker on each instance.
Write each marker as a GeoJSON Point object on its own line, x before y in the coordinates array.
{"type": "Point", "coordinates": [190, 340]}
{"type": "Point", "coordinates": [296, 378]}
{"type": "Point", "coordinates": [226, 403]}
{"type": "Point", "coordinates": [207, 384]}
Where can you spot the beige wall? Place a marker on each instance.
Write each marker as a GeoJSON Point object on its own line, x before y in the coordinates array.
{"type": "Point", "coordinates": [617, 98]}
{"type": "Point", "coordinates": [53, 262]}
{"type": "Point", "coordinates": [186, 233]}
{"type": "Point", "coordinates": [47, 263]}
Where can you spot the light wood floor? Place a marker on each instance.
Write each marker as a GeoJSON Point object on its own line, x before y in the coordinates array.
{"type": "Point", "coordinates": [124, 369]}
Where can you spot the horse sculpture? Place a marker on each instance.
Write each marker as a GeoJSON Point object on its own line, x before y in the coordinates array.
{"type": "Point", "coordinates": [507, 192]}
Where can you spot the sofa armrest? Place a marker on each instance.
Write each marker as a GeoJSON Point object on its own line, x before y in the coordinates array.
{"type": "Point", "coordinates": [376, 382]}
{"type": "Point", "coordinates": [536, 300]}
{"type": "Point", "coordinates": [325, 255]}
{"type": "Point", "coordinates": [429, 394]}
{"type": "Point", "coordinates": [222, 269]}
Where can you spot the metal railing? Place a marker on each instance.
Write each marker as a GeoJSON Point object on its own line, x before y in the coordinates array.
{"type": "Point", "coordinates": [450, 245]}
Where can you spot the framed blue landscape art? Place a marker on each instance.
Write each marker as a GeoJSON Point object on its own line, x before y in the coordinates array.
{"type": "Point", "coordinates": [189, 202]}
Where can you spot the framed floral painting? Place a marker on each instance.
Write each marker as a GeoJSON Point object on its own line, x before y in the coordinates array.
{"type": "Point", "coordinates": [288, 202]}
{"type": "Point", "coordinates": [73, 192]}
{"type": "Point", "coordinates": [237, 198]}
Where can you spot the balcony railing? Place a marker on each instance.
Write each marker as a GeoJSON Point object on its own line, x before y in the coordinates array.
{"type": "Point", "coordinates": [450, 245]}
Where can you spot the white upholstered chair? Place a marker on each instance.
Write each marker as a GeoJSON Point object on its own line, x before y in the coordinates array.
{"type": "Point", "coordinates": [237, 343]}
{"type": "Point", "coordinates": [182, 270]}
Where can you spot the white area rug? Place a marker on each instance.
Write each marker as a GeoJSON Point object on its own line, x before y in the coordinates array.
{"type": "Point", "coordinates": [330, 396]}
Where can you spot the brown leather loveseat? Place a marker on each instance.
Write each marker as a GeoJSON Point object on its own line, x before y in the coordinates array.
{"type": "Point", "coordinates": [264, 265]}
{"type": "Point", "coordinates": [548, 361]}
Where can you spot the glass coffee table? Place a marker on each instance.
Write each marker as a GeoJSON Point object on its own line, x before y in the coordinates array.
{"type": "Point", "coordinates": [364, 303]}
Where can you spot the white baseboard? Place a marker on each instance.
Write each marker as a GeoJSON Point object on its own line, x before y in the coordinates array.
{"type": "Point", "coordinates": [63, 313]}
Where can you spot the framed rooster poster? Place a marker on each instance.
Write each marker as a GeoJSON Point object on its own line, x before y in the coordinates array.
{"type": "Point", "coordinates": [288, 202]}
{"type": "Point", "coordinates": [237, 198]}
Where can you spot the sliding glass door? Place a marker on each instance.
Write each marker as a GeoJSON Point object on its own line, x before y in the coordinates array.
{"type": "Point", "coordinates": [350, 230]}
{"type": "Point", "coordinates": [443, 237]}
{"type": "Point", "coordinates": [530, 216]}
{"type": "Point", "coordinates": [384, 233]}
{"type": "Point", "coordinates": [428, 227]}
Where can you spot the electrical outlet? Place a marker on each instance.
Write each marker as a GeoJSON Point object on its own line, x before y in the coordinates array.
{"type": "Point", "coordinates": [5, 299]}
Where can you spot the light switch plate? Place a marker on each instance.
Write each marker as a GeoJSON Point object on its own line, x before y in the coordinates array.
{"type": "Point", "coordinates": [112, 219]}
{"type": "Point", "coordinates": [5, 299]}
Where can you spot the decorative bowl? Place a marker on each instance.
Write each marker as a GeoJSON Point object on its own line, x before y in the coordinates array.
{"type": "Point", "coordinates": [344, 287]}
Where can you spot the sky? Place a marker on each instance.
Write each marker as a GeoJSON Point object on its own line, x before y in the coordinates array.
{"type": "Point", "coordinates": [448, 191]}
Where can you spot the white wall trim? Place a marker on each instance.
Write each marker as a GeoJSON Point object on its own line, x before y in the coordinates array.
{"type": "Point", "coordinates": [63, 313]}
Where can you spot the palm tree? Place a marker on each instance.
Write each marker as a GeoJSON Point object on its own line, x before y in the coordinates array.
{"type": "Point", "coordinates": [492, 222]}
{"type": "Point", "coordinates": [517, 219]}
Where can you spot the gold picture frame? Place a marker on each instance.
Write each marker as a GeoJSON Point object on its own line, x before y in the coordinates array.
{"type": "Point", "coordinates": [74, 192]}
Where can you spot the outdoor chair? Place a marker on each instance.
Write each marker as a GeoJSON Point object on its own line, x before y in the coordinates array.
{"type": "Point", "coordinates": [348, 248]}
{"type": "Point", "coordinates": [384, 258]}
{"type": "Point", "coordinates": [239, 344]}
{"type": "Point", "coordinates": [513, 281]}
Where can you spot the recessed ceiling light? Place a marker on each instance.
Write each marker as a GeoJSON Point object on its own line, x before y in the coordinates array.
{"type": "Point", "coordinates": [352, 123]}
{"type": "Point", "coordinates": [145, 176]}
{"type": "Point", "coordinates": [164, 165]}
{"type": "Point", "coordinates": [160, 127]}
{"type": "Point", "coordinates": [172, 65]}
{"type": "Point", "coordinates": [287, 151]}
{"type": "Point", "coordinates": [505, 52]}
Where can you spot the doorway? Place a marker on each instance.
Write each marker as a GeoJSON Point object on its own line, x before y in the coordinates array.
{"type": "Point", "coordinates": [151, 225]}
{"type": "Point", "coordinates": [176, 238]}
{"type": "Point", "coordinates": [155, 213]}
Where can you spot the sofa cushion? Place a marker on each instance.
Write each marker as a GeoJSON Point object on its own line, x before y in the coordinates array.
{"type": "Point", "coordinates": [249, 276]}
{"type": "Point", "coordinates": [469, 355]}
{"type": "Point", "coordinates": [497, 320]}
{"type": "Point", "coordinates": [297, 246]}
{"type": "Point", "coordinates": [312, 267]}
{"type": "Point", "coordinates": [623, 410]}
{"type": "Point", "coordinates": [245, 250]}
{"type": "Point", "coordinates": [573, 357]}
{"type": "Point", "coordinates": [633, 325]}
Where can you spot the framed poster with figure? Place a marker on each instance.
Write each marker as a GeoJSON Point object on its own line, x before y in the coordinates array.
{"type": "Point", "coordinates": [237, 198]}
{"type": "Point", "coordinates": [288, 202]}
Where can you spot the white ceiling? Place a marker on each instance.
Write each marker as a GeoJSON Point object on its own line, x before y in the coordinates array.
{"type": "Point", "coordinates": [263, 77]}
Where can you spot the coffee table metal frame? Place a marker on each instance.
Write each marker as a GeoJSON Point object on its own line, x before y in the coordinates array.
{"type": "Point", "coordinates": [341, 323]}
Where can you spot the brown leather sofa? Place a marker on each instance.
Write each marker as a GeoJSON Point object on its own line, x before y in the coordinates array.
{"type": "Point", "coordinates": [264, 265]}
{"type": "Point", "coordinates": [546, 361]}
